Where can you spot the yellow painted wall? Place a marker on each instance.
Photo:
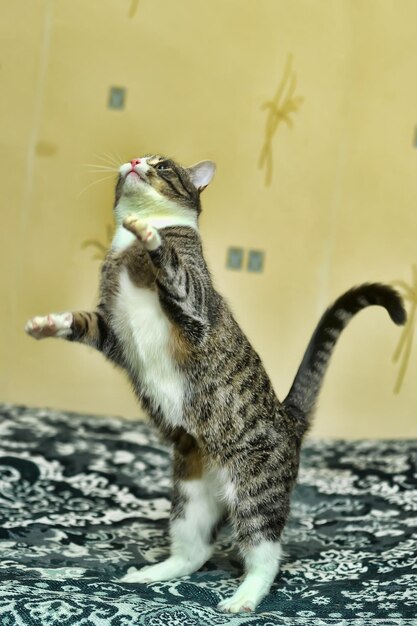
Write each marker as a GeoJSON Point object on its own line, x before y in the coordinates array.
{"type": "Point", "coordinates": [341, 209]}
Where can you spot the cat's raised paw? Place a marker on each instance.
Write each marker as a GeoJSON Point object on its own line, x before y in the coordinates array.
{"type": "Point", "coordinates": [135, 225]}
{"type": "Point", "coordinates": [52, 325]}
{"type": "Point", "coordinates": [144, 232]}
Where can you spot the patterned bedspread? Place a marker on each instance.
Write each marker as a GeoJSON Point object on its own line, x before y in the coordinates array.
{"type": "Point", "coordinates": [83, 498]}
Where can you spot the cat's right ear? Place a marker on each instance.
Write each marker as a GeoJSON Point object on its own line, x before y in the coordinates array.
{"type": "Point", "coordinates": [201, 174]}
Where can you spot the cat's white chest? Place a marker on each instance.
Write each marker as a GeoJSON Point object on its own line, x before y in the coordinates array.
{"type": "Point", "coordinates": [145, 333]}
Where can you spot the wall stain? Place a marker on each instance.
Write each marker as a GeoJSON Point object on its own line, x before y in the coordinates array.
{"type": "Point", "coordinates": [279, 110]}
{"type": "Point", "coordinates": [133, 8]}
{"type": "Point", "coordinates": [403, 350]}
{"type": "Point", "coordinates": [46, 148]}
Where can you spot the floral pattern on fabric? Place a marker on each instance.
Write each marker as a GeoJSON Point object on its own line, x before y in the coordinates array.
{"type": "Point", "coordinates": [84, 498]}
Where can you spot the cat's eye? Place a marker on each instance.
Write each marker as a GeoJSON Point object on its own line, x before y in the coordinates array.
{"type": "Point", "coordinates": [162, 166]}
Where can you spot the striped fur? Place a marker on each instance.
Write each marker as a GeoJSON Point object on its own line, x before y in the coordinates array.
{"type": "Point", "coordinates": [236, 447]}
{"type": "Point", "coordinates": [304, 391]}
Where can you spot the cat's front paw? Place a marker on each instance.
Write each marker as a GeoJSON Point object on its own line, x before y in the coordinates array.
{"type": "Point", "coordinates": [53, 325]}
{"type": "Point", "coordinates": [143, 231]}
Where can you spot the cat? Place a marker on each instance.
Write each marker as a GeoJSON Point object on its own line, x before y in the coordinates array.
{"type": "Point", "coordinates": [235, 446]}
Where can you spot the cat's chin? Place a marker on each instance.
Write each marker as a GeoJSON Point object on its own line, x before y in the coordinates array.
{"type": "Point", "coordinates": [133, 184]}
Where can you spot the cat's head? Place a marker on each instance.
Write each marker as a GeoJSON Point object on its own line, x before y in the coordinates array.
{"type": "Point", "coordinates": [154, 180]}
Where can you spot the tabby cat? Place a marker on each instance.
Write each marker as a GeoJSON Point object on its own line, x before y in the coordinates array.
{"type": "Point", "coordinates": [236, 447]}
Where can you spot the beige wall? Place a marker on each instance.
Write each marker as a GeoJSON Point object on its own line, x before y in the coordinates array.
{"type": "Point", "coordinates": [341, 208]}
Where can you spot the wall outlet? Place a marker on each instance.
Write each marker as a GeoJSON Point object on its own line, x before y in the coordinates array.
{"type": "Point", "coordinates": [256, 261]}
{"type": "Point", "coordinates": [117, 98]}
{"type": "Point", "coordinates": [234, 260]}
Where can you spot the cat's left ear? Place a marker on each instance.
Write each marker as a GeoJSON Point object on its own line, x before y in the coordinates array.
{"type": "Point", "coordinates": [201, 174]}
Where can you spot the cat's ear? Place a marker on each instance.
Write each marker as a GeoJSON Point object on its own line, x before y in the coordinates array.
{"type": "Point", "coordinates": [201, 174]}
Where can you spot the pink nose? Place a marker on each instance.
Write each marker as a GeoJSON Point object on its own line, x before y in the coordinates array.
{"type": "Point", "coordinates": [134, 162]}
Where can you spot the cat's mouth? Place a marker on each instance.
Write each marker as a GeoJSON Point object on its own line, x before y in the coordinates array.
{"type": "Point", "coordinates": [133, 178]}
{"type": "Point", "coordinates": [133, 172]}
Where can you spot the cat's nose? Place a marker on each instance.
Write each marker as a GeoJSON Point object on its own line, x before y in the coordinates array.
{"type": "Point", "coordinates": [134, 162]}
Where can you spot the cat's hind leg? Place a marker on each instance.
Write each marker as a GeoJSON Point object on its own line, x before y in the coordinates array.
{"type": "Point", "coordinates": [259, 514]}
{"type": "Point", "coordinates": [196, 511]}
{"type": "Point", "coordinates": [262, 562]}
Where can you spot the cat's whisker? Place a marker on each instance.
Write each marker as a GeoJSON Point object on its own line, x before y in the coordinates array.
{"type": "Point", "coordinates": [107, 159]}
{"type": "Point", "coordinates": [114, 158]}
{"type": "Point", "coordinates": [99, 165]}
{"type": "Point", "coordinates": [95, 182]}
{"type": "Point", "coordinates": [101, 172]}
{"type": "Point", "coordinates": [100, 168]}
{"type": "Point", "coordinates": [111, 158]}
{"type": "Point", "coordinates": [120, 159]}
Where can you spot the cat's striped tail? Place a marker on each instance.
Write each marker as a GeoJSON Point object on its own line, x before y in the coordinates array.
{"type": "Point", "coordinates": [305, 389]}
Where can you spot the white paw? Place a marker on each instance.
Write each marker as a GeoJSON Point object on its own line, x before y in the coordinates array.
{"type": "Point", "coordinates": [53, 325]}
{"type": "Point", "coordinates": [248, 595]}
{"type": "Point", "coordinates": [238, 603]}
{"type": "Point", "coordinates": [145, 232]}
{"type": "Point", "coordinates": [173, 567]}
{"type": "Point", "coordinates": [136, 576]}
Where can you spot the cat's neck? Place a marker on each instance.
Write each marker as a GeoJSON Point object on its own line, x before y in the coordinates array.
{"type": "Point", "coordinates": [157, 214]}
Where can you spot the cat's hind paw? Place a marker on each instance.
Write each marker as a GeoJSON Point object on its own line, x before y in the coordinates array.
{"type": "Point", "coordinates": [146, 233]}
{"type": "Point", "coordinates": [52, 325]}
{"type": "Point", "coordinates": [236, 604]}
{"type": "Point", "coordinates": [173, 567]}
{"type": "Point", "coordinates": [136, 576]}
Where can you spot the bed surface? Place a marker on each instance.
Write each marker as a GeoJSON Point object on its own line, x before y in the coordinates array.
{"type": "Point", "coordinates": [83, 498]}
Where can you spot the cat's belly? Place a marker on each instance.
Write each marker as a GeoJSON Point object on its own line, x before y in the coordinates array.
{"type": "Point", "coordinates": [145, 335]}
